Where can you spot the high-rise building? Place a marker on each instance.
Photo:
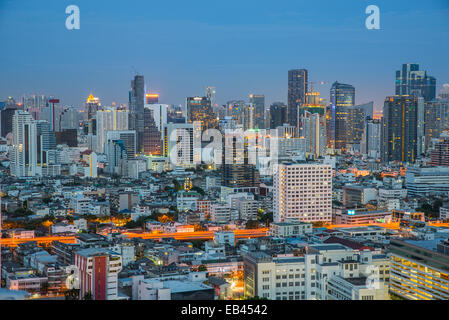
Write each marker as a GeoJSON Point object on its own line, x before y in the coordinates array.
{"type": "Point", "coordinates": [313, 129]}
{"type": "Point", "coordinates": [370, 143]}
{"type": "Point", "coordinates": [98, 273]}
{"type": "Point", "coordinates": [297, 88]}
{"type": "Point", "coordinates": [399, 129]}
{"type": "Point", "coordinates": [258, 102]}
{"type": "Point", "coordinates": [210, 94]}
{"type": "Point", "coordinates": [238, 169]}
{"type": "Point", "coordinates": [200, 109]}
{"type": "Point", "coordinates": [129, 139]}
{"type": "Point", "coordinates": [412, 81]}
{"type": "Point", "coordinates": [278, 115]}
{"type": "Point", "coordinates": [342, 98]}
{"type": "Point", "coordinates": [151, 134]}
{"type": "Point", "coordinates": [110, 119]}
{"type": "Point", "coordinates": [115, 154]}
{"type": "Point", "coordinates": [303, 192]}
{"type": "Point", "coordinates": [24, 149]}
{"type": "Point", "coordinates": [439, 156]}
{"type": "Point", "coordinates": [436, 119]}
{"type": "Point", "coordinates": [180, 145]}
{"type": "Point", "coordinates": [136, 106]}
{"type": "Point", "coordinates": [91, 107]}
{"type": "Point", "coordinates": [6, 115]}
{"type": "Point", "coordinates": [46, 140]}
{"type": "Point", "coordinates": [151, 98]}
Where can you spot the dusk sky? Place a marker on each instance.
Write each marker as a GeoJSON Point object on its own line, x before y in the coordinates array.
{"type": "Point", "coordinates": [240, 47]}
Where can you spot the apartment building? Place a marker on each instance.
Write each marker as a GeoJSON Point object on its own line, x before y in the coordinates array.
{"type": "Point", "coordinates": [303, 191]}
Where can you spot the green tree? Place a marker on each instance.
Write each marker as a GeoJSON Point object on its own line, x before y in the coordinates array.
{"type": "Point", "coordinates": [202, 268]}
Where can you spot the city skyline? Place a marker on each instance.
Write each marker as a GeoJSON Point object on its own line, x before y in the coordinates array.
{"type": "Point", "coordinates": [195, 51]}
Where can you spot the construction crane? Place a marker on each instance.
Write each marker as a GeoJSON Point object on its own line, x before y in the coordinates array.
{"type": "Point", "coordinates": [315, 82]}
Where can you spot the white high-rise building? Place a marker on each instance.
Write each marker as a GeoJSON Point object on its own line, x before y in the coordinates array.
{"type": "Point", "coordinates": [180, 142]}
{"type": "Point", "coordinates": [314, 131]}
{"type": "Point", "coordinates": [159, 114]}
{"type": "Point", "coordinates": [303, 192]}
{"type": "Point", "coordinates": [109, 119]}
{"type": "Point", "coordinates": [24, 151]}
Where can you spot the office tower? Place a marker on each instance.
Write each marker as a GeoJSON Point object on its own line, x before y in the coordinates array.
{"type": "Point", "coordinates": [68, 137]}
{"type": "Point", "coordinates": [115, 154]}
{"type": "Point", "coordinates": [412, 81]}
{"type": "Point", "coordinates": [312, 104]}
{"type": "Point", "coordinates": [368, 109]}
{"type": "Point", "coordinates": [6, 115]}
{"type": "Point", "coordinates": [238, 168]}
{"type": "Point", "coordinates": [129, 139]}
{"type": "Point", "coordinates": [302, 192]}
{"type": "Point", "coordinates": [151, 134]}
{"type": "Point", "coordinates": [52, 113]}
{"type": "Point", "coordinates": [69, 119]}
{"type": "Point", "coordinates": [180, 145]}
{"type": "Point", "coordinates": [355, 125]}
{"type": "Point", "coordinates": [419, 270]}
{"type": "Point", "coordinates": [110, 119]}
{"type": "Point", "coordinates": [399, 129]}
{"type": "Point", "coordinates": [151, 98]}
{"type": "Point", "coordinates": [98, 273]}
{"type": "Point", "coordinates": [258, 102]}
{"type": "Point", "coordinates": [24, 149]}
{"type": "Point", "coordinates": [439, 156]}
{"type": "Point", "coordinates": [160, 114]}
{"type": "Point", "coordinates": [370, 143]}
{"type": "Point", "coordinates": [91, 107]}
{"type": "Point", "coordinates": [136, 106]}
{"type": "Point", "coordinates": [313, 129]}
{"type": "Point", "coordinates": [436, 119]}
{"type": "Point", "coordinates": [297, 88]}
{"type": "Point", "coordinates": [342, 98]}
{"type": "Point", "coordinates": [200, 109]}
{"type": "Point", "coordinates": [278, 115]}
{"type": "Point", "coordinates": [46, 140]}
{"type": "Point", "coordinates": [210, 94]}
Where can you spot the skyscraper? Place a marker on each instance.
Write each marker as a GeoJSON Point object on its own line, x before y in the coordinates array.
{"type": "Point", "coordinates": [24, 149]}
{"type": "Point", "coordinates": [200, 109]}
{"type": "Point", "coordinates": [110, 119]}
{"type": "Point", "coordinates": [370, 143]}
{"type": "Point", "coordinates": [342, 97]}
{"type": "Point", "coordinates": [302, 192]}
{"type": "Point", "coordinates": [297, 88]}
{"type": "Point", "coordinates": [313, 129]}
{"type": "Point", "coordinates": [91, 107]}
{"type": "Point", "coordinates": [136, 106]}
{"type": "Point", "coordinates": [399, 129]}
{"type": "Point", "coordinates": [412, 81]}
{"type": "Point", "coordinates": [278, 114]}
{"type": "Point", "coordinates": [151, 134]}
{"type": "Point", "coordinates": [258, 102]}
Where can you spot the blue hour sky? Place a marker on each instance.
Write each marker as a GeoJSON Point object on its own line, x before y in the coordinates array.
{"type": "Point", "coordinates": [240, 47]}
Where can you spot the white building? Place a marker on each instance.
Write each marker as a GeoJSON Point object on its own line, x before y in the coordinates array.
{"type": "Point", "coordinates": [303, 192]}
{"type": "Point", "coordinates": [109, 119]}
{"type": "Point", "coordinates": [290, 229]}
{"type": "Point", "coordinates": [24, 149]}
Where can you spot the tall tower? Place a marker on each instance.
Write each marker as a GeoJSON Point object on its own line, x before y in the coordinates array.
{"type": "Point", "coordinates": [412, 81]}
{"type": "Point", "coordinates": [24, 149]}
{"type": "Point", "coordinates": [342, 98]}
{"type": "Point", "coordinates": [297, 88]}
{"type": "Point", "coordinates": [136, 105]}
{"type": "Point", "coordinates": [399, 129]}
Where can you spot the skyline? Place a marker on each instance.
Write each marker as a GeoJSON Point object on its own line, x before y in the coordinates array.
{"type": "Point", "coordinates": [193, 46]}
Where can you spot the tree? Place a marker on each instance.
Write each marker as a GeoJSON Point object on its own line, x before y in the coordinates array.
{"type": "Point", "coordinates": [202, 268]}
{"type": "Point", "coordinates": [252, 224]}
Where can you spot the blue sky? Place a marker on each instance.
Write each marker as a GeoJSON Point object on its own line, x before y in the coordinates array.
{"type": "Point", "coordinates": [240, 47]}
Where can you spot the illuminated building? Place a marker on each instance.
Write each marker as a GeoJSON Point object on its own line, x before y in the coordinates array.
{"type": "Point", "coordinates": [151, 98]}
{"type": "Point", "coordinates": [412, 81]}
{"type": "Point", "coordinates": [297, 88]}
{"type": "Point", "coordinates": [302, 192]}
{"type": "Point", "coordinates": [24, 149]}
{"type": "Point", "coordinates": [98, 273]}
{"type": "Point", "coordinates": [200, 109]}
{"type": "Point", "coordinates": [439, 156]}
{"type": "Point", "coordinates": [399, 129]}
{"type": "Point", "coordinates": [278, 115]}
{"type": "Point", "coordinates": [419, 269]}
{"type": "Point", "coordinates": [128, 137]}
{"type": "Point", "coordinates": [313, 129]}
{"type": "Point", "coordinates": [436, 119]}
{"type": "Point", "coordinates": [91, 107]}
{"type": "Point", "coordinates": [258, 102]}
{"type": "Point", "coordinates": [151, 134]}
{"type": "Point", "coordinates": [342, 99]}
